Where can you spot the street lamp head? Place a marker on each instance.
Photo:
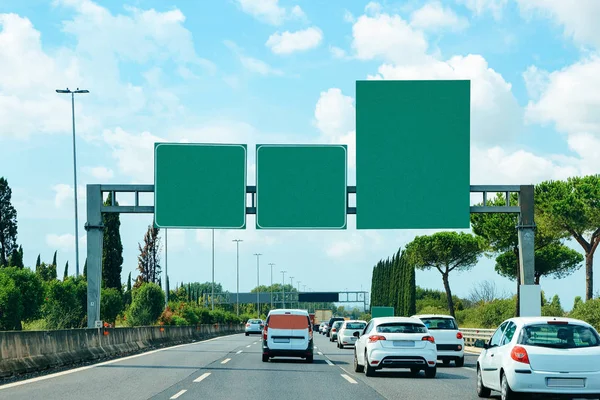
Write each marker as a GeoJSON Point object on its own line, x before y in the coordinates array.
{"type": "Point", "coordinates": [81, 91]}
{"type": "Point", "coordinates": [63, 91]}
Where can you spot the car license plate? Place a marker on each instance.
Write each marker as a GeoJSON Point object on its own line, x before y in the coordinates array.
{"type": "Point", "coordinates": [404, 343]}
{"type": "Point", "coordinates": [280, 340]}
{"type": "Point", "coordinates": [566, 382]}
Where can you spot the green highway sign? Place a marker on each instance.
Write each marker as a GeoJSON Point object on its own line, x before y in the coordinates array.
{"type": "Point", "coordinates": [412, 154]}
{"type": "Point", "coordinates": [301, 186]}
{"type": "Point", "coordinates": [200, 185]}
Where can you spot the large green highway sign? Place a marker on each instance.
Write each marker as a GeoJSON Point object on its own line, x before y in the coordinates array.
{"type": "Point", "coordinates": [200, 185]}
{"type": "Point", "coordinates": [301, 186]}
{"type": "Point", "coordinates": [412, 154]}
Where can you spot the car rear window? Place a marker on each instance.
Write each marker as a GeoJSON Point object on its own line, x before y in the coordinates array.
{"type": "Point", "coordinates": [355, 325]}
{"type": "Point", "coordinates": [559, 336]}
{"type": "Point", "coordinates": [288, 321]}
{"type": "Point", "coordinates": [401, 327]}
{"type": "Point", "coordinates": [337, 324]}
{"type": "Point", "coordinates": [255, 321]}
{"type": "Point", "coordinates": [439, 323]}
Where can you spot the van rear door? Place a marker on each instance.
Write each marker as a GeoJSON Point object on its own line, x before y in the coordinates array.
{"type": "Point", "coordinates": [285, 331]}
{"type": "Point", "coordinates": [301, 332]}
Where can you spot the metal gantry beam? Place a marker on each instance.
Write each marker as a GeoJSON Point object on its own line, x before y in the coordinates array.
{"type": "Point", "coordinates": [94, 228]}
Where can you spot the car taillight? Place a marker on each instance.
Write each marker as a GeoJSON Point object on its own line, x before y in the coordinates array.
{"type": "Point", "coordinates": [519, 354]}
{"type": "Point", "coordinates": [459, 335]}
{"type": "Point", "coordinates": [247, 325]}
{"type": "Point", "coordinates": [376, 338]}
{"type": "Point", "coordinates": [334, 330]}
{"type": "Point", "coordinates": [428, 338]}
{"type": "Point", "coordinates": [265, 332]}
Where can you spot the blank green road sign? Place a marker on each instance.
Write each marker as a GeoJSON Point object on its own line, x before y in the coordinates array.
{"type": "Point", "coordinates": [412, 154]}
{"type": "Point", "coordinates": [200, 185]}
{"type": "Point", "coordinates": [301, 186]}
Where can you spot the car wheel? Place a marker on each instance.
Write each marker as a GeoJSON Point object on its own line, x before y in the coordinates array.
{"type": "Point", "coordinates": [309, 359]}
{"type": "Point", "coordinates": [482, 391]}
{"type": "Point", "coordinates": [265, 358]}
{"type": "Point", "coordinates": [507, 393]}
{"type": "Point", "coordinates": [369, 371]}
{"type": "Point", "coordinates": [430, 372]}
{"type": "Point", "coordinates": [415, 371]}
{"type": "Point", "coordinates": [446, 362]}
{"type": "Point", "coordinates": [357, 366]}
{"type": "Point", "coordinates": [459, 362]}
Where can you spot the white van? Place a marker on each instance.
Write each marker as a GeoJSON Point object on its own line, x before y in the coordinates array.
{"type": "Point", "coordinates": [288, 333]}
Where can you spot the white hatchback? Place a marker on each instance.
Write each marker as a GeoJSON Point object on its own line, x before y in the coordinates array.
{"type": "Point", "coordinates": [541, 355]}
{"type": "Point", "coordinates": [448, 339]}
{"type": "Point", "coordinates": [345, 336]}
{"type": "Point", "coordinates": [395, 342]}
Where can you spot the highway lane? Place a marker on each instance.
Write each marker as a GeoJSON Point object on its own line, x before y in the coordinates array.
{"type": "Point", "coordinates": [230, 368]}
{"type": "Point", "coordinates": [450, 382]}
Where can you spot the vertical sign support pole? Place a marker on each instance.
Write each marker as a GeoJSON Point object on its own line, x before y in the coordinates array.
{"type": "Point", "coordinates": [95, 235]}
{"type": "Point", "coordinates": [530, 293]}
{"type": "Point", "coordinates": [258, 284]}
{"type": "Point", "coordinates": [212, 290]}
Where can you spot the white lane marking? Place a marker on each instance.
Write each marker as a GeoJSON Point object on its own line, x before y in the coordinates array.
{"type": "Point", "coordinates": [178, 394]}
{"type": "Point", "coordinates": [71, 371]}
{"type": "Point", "coordinates": [319, 353]}
{"type": "Point", "coordinates": [328, 362]}
{"type": "Point", "coordinates": [225, 361]}
{"type": "Point", "coordinates": [202, 377]}
{"type": "Point", "coordinates": [249, 345]}
{"type": "Point", "coordinates": [470, 369]}
{"type": "Point", "coordinates": [346, 377]}
{"type": "Point", "coordinates": [255, 343]}
{"type": "Point", "coordinates": [238, 352]}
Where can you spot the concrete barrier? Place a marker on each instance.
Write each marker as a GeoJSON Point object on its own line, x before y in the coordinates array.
{"type": "Point", "coordinates": [31, 351]}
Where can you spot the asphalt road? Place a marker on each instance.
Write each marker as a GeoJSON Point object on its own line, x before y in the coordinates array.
{"type": "Point", "coordinates": [230, 367]}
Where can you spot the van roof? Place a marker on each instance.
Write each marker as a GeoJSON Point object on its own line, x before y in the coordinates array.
{"type": "Point", "coordinates": [284, 311]}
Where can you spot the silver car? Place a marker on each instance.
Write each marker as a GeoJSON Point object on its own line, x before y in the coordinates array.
{"type": "Point", "coordinates": [254, 326]}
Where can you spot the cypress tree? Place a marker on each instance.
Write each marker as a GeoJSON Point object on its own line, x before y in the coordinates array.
{"type": "Point", "coordinates": [85, 268]}
{"type": "Point", "coordinates": [112, 248]}
{"type": "Point", "coordinates": [129, 282]}
{"type": "Point", "coordinates": [66, 274]}
{"type": "Point", "coordinates": [38, 261]}
{"type": "Point", "coordinates": [54, 258]}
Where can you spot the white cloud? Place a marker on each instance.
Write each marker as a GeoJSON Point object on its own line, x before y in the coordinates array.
{"type": "Point", "coordinates": [291, 42]}
{"type": "Point", "coordinates": [269, 11]}
{"type": "Point", "coordinates": [568, 97]}
{"type": "Point", "coordinates": [100, 172]}
{"type": "Point", "coordinates": [373, 8]}
{"type": "Point", "coordinates": [481, 7]}
{"type": "Point", "coordinates": [588, 148]}
{"type": "Point", "coordinates": [536, 81]}
{"type": "Point", "coordinates": [176, 239]}
{"type": "Point", "coordinates": [64, 242]}
{"type": "Point", "coordinates": [337, 52]}
{"type": "Point", "coordinates": [64, 193]}
{"type": "Point", "coordinates": [389, 38]}
{"type": "Point", "coordinates": [580, 19]}
{"type": "Point", "coordinates": [259, 66]}
{"type": "Point", "coordinates": [252, 238]}
{"type": "Point", "coordinates": [434, 16]}
{"type": "Point", "coordinates": [495, 113]}
{"type": "Point", "coordinates": [334, 113]}
{"type": "Point", "coordinates": [348, 17]}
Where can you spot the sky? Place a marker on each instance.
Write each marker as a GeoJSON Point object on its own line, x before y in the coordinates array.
{"type": "Point", "coordinates": [281, 71]}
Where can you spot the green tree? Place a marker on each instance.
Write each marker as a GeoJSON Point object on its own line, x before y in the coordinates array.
{"type": "Point", "coordinates": [63, 309]}
{"type": "Point", "coordinates": [8, 223]}
{"type": "Point", "coordinates": [16, 258]}
{"type": "Point", "coordinates": [54, 259]}
{"type": "Point", "coordinates": [21, 296]}
{"type": "Point", "coordinates": [112, 248]}
{"type": "Point", "coordinates": [554, 260]}
{"type": "Point", "coordinates": [147, 304]}
{"type": "Point", "coordinates": [572, 208]}
{"type": "Point", "coordinates": [38, 262]}
{"type": "Point", "coordinates": [85, 268]}
{"type": "Point", "coordinates": [446, 252]}
{"type": "Point", "coordinates": [66, 273]}
{"type": "Point", "coordinates": [111, 304]}
{"type": "Point", "coordinates": [46, 272]}
{"type": "Point", "coordinates": [149, 258]}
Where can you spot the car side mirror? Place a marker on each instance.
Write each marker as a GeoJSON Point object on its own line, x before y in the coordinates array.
{"type": "Point", "coordinates": [486, 346]}
{"type": "Point", "coordinates": [356, 334]}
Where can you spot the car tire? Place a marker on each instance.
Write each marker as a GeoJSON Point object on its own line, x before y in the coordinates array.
{"type": "Point", "coordinates": [506, 392]}
{"type": "Point", "coordinates": [265, 358]}
{"type": "Point", "coordinates": [369, 371]}
{"type": "Point", "coordinates": [247, 334]}
{"type": "Point", "coordinates": [310, 359]}
{"type": "Point", "coordinates": [459, 362]}
{"type": "Point", "coordinates": [482, 391]}
{"type": "Point", "coordinates": [446, 362]}
{"type": "Point", "coordinates": [357, 366]}
{"type": "Point", "coordinates": [430, 372]}
{"type": "Point", "coordinates": [415, 371]}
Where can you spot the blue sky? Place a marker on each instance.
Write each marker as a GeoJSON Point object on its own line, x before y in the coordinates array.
{"type": "Point", "coordinates": [269, 71]}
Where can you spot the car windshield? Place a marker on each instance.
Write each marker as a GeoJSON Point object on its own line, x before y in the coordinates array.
{"type": "Point", "coordinates": [560, 336]}
{"type": "Point", "coordinates": [439, 323]}
{"type": "Point", "coordinates": [401, 327]}
{"type": "Point", "coordinates": [355, 325]}
{"type": "Point", "coordinates": [337, 324]}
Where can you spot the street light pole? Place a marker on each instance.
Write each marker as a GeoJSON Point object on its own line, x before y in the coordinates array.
{"type": "Point", "coordinates": [271, 264]}
{"type": "Point", "coordinates": [73, 93]}
{"type": "Point", "coordinates": [258, 283]}
{"type": "Point", "coordinates": [298, 283]}
{"type": "Point", "coordinates": [237, 269]}
{"type": "Point", "coordinates": [283, 287]}
{"type": "Point", "coordinates": [292, 285]}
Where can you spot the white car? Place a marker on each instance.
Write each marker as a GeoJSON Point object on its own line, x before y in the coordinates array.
{"type": "Point", "coordinates": [345, 336]}
{"type": "Point", "coordinates": [395, 342]}
{"type": "Point", "coordinates": [448, 339]}
{"type": "Point", "coordinates": [541, 355]}
{"type": "Point", "coordinates": [254, 326]}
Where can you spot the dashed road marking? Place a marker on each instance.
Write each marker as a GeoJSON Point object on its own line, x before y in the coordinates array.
{"type": "Point", "coordinates": [239, 352]}
{"type": "Point", "coordinates": [320, 353]}
{"type": "Point", "coordinates": [255, 343]}
{"type": "Point", "coordinates": [470, 369]}
{"type": "Point", "coordinates": [225, 361]}
{"type": "Point", "coordinates": [202, 377]}
{"type": "Point", "coordinates": [178, 394]}
{"type": "Point", "coordinates": [328, 362]}
{"type": "Point", "coordinates": [346, 377]}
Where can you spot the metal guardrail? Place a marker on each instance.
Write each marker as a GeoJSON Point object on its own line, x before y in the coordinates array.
{"type": "Point", "coordinates": [476, 337]}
